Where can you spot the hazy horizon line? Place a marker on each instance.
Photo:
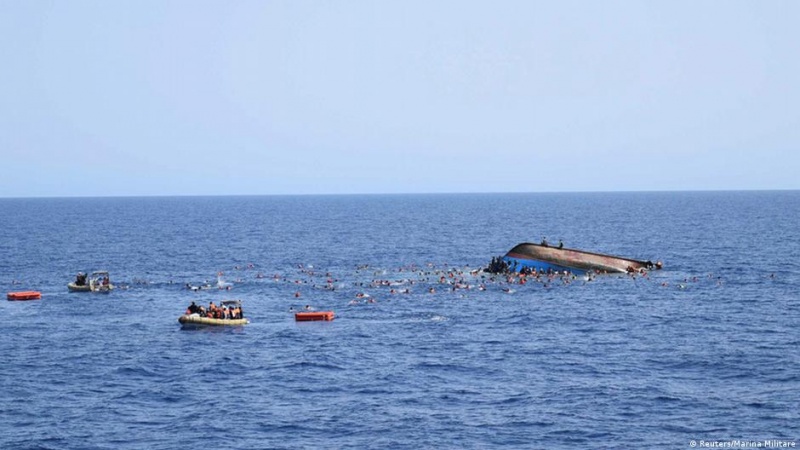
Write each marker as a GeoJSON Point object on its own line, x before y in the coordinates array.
{"type": "Point", "coordinates": [365, 194]}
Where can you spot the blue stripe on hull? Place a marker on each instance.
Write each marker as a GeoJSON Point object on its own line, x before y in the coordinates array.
{"type": "Point", "coordinates": [540, 266]}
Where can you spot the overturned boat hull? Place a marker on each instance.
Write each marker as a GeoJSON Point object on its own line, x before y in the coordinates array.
{"type": "Point", "coordinates": [545, 258]}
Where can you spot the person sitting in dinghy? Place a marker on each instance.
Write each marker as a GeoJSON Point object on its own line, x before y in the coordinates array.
{"type": "Point", "coordinates": [193, 309]}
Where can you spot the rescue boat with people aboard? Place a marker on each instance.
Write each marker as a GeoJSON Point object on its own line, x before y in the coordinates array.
{"type": "Point", "coordinates": [98, 281]}
{"type": "Point", "coordinates": [199, 320]}
{"type": "Point", "coordinates": [543, 257]}
{"type": "Point", "coordinates": [25, 295]}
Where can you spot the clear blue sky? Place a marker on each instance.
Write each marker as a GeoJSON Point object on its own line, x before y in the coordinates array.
{"type": "Point", "coordinates": [302, 97]}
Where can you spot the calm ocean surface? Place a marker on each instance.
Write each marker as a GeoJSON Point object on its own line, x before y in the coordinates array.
{"type": "Point", "coordinates": [706, 349]}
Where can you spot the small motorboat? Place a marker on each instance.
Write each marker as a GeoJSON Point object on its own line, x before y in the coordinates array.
{"type": "Point", "coordinates": [24, 295]}
{"type": "Point", "coordinates": [96, 282]}
{"type": "Point", "coordinates": [198, 320]}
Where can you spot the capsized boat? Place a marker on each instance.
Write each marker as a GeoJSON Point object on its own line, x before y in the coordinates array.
{"type": "Point", "coordinates": [98, 281]}
{"type": "Point", "coordinates": [197, 320]}
{"type": "Point", "coordinates": [543, 257]}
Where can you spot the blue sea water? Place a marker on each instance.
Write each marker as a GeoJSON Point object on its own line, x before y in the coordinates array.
{"type": "Point", "coordinates": [707, 349]}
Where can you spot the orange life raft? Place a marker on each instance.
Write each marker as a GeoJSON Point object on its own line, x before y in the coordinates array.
{"type": "Point", "coordinates": [26, 295]}
{"type": "Point", "coordinates": [312, 316]}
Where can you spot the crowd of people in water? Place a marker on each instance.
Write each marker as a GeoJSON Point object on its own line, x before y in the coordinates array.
{"type": "Point", "coordinates": [367, 284]}
{"type": "Point", "coordinates": [213, 311]}
{"type": "Point", "coordinates": [370, 284]}
{"type": "Point", "coordinates": [430, 278]}
{"type": "Point", "coordinates": [499, 265]}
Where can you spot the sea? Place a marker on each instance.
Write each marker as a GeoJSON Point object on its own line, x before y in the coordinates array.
{"type": "Point", "coordinates": [426, 350]}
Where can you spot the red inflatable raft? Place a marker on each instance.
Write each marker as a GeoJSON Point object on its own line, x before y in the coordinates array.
{"type": "Point", "coordinates": [312, 316]}
{"type": "Point", "coordinates": [26, 295]}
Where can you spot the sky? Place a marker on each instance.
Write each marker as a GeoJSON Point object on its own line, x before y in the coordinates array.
{"type": "Point", "coordinates": [146, 97]}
